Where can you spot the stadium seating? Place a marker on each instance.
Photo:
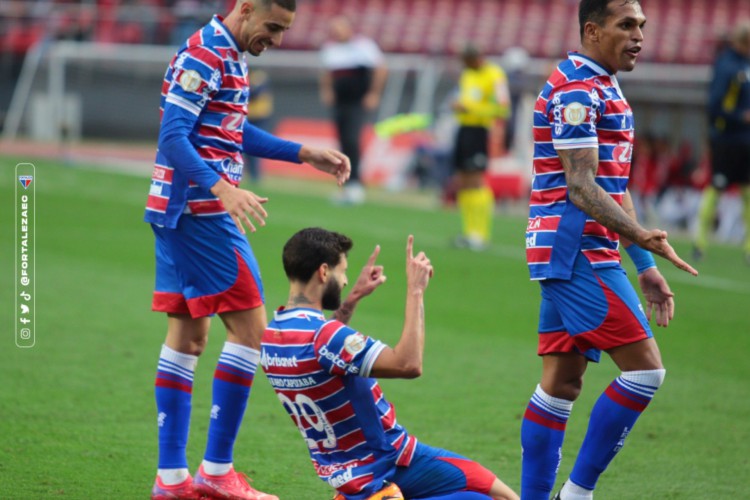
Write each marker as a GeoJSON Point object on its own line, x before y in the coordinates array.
{"type": "Point", "coordinates": [678, 31]}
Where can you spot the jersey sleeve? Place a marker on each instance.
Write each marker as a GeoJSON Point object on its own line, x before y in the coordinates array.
{"type": "Point", "coordinates": [341, 350]}
{"type": "Point", "coordinates": [574, 112]}
{"type": "Point", "coordinates": [196, 78]}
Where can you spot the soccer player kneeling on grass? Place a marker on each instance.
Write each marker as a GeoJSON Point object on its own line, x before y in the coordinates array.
{"type": "Point", "coordinates": [324, 373]}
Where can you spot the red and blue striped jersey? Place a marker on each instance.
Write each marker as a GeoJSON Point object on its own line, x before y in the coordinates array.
{"type": "Point", "coordinates": [320, 371]}
{"type": "Point", "coordinates": [208, 79]}
{"type": "Point", "coordinates": [581, 106]}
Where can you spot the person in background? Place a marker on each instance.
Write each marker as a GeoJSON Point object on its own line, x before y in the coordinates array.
{"type": "Point", "coordinates": [729, 135]}
{"type": "Point", "coordinates": [259, 111]}
{"type": "Point", "coordinates": [483, 98]}
{"type": "Point", "coordinates": [351, 82]}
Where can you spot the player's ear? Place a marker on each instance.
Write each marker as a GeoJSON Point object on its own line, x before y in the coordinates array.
{"type": "Point", "coordinates": [247, 7]}
{"type": "Point", "coordinates": [591, 31]}
{"type": "Point", "coordinates": [323, 272]}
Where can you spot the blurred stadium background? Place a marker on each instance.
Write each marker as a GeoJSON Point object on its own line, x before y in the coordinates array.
{"type": "Point", "coordinates": [76, 73]}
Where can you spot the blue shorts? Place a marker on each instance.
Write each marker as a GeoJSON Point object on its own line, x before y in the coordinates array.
{"type": "Point", "coordinates": [205, 266]}
{"type": "Point", "coordinates": [596, 310]}
{"type": "Point", "coordinates": [434, 471]}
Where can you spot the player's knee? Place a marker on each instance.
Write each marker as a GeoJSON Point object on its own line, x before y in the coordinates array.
{"type": "Point", "coordinates": [568, 389]}
{"type": "Point", "coordinates": [650, 378]}
{"type": "Point", "coordinates": [197, 346]}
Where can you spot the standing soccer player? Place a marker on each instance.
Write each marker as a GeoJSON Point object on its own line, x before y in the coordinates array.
{"type": "Point", "coordinates": [579, 209]}
{"type": "Point", "coordinates": [204, 263]}
{"type": "Point", "coordinates": [323, 372]}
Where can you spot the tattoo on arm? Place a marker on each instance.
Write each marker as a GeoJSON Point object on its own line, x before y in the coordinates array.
{"type": "Point", "coordinates": [580, 173]}
{"type": "Point", "coordinates": [344, 312]}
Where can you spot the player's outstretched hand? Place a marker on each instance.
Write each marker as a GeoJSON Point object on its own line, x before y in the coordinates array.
{"type": "Point", "coordinates": [329, 161]}
{"type": "Point", "coordinates": [418, 268]}
{"type": "Point", "coordinates": [659, 298]}
{"type": "Point", "coordinates": [239, 203]}
{"type": "Point", "coordinates": [369, 278]}
{"type": "Point", "coordinates": [656, 242]}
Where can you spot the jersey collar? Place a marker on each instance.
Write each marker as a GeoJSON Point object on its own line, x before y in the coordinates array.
{"type": "Point", "coordinates": [217, 22]}
{"type": "Point", "coordinates": [282, 314]}
{"type": "Point", "coordinates": [582, 59]}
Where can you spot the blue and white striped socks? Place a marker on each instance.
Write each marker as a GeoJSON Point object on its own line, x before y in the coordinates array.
{"type": "Point", "coordinates": [233, 379]}
{"type": "Point", "coordinates": [542, 435]}
{"type": "Point", "coordinates": [174, 392]}
{"type": "Point", "coordinates": [612, 419]}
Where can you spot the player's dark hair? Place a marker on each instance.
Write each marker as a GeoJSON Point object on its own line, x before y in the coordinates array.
{"type": "Point", "coordinates": [595, 11]}
{"type": "Point", "coordinates": [309, 249]}
{"type": "Point", "coordinates": [290, 5]}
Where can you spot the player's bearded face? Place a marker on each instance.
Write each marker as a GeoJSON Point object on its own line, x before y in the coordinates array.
{"type": "Point", "coordinates": [331, 295]}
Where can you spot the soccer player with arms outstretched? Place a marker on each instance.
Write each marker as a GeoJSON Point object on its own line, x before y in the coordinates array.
{"type": "Point", "coordinates": [324, 372]}
{"type": "Point", "coordinates": [579, 210]}
{"type": "Point", "coordinates": [204, 263]}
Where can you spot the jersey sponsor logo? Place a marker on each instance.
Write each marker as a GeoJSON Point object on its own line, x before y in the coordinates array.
{"type": "Point", "coordinates": [595, 103]}
{"type": "Point", "coordinates": [340, 480]}
{"type": "Point", "coordinates": [623, 152]}
{"type": "Point", "coordinates": [215, 82]}
{"type": "Point", "coordinates": [531, 240]}
{"type": "Point", "coordinates": [534, 223]}
{"type": "Point", "coordinates": [327, 470]}
{"type": "Point", "coordinates": [354, 343]}
{"type": "Point", "coordinates": [156, 188]}
{"type": "Point", "coordinates": [292, 383]}
{"type": "Point", "coordinates": [557, 114]}
{"type": "Point", "coordinates": [337, 361]}
{"type": "Point", "coordinates": [190, 80]}
{"type": "Point", "coordinates": [575, 113]}
{"type": "Point", "coordinates": [232, 121]}
{"type": "Point", "coordinates": [276, 360]}
{"type": "Point", "coordinates": [232, 168]}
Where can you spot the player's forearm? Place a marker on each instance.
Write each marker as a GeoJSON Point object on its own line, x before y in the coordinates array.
{"type": "Point", "coordinates": [593, 200]}
{"type": "Point", "coordinates": [410, 347]}
{"type": "Point", "coordinates": [580, 169]}
{"type": "Point", "coordinates": [176, 147]}
{"type": "Point", "coordinates": [345, 312]}
{"type": "Point", "coordinates": [259, 143]}
{"type": "Point", "coordinates": [629, 208]}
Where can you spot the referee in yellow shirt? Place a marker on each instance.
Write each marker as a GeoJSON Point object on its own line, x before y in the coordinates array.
{"type": "Point", "coordinates": [483, 99]}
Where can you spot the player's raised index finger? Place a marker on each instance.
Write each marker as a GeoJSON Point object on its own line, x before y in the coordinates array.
{"type": "Point", "coordinates": [374, 256]}
{"type": "Point", "coordinates": [410, 247]}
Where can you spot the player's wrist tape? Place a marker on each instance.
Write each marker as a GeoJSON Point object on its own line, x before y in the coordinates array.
{"type": "Point", "coordinates": [643, 259]}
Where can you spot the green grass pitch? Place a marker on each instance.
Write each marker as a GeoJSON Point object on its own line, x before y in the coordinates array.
{"type": "Point", "coordinates": [77, 412]}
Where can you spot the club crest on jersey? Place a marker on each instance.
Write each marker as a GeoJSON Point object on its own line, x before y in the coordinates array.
{"type": "Point", "coordinates": [190, 80]}
{"type": "Point", "coordinates": [575, 113]}
{"type": "Point", "coordinates": [25, 180]}
{"type": "Point", "coordinates": [354, 343]}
